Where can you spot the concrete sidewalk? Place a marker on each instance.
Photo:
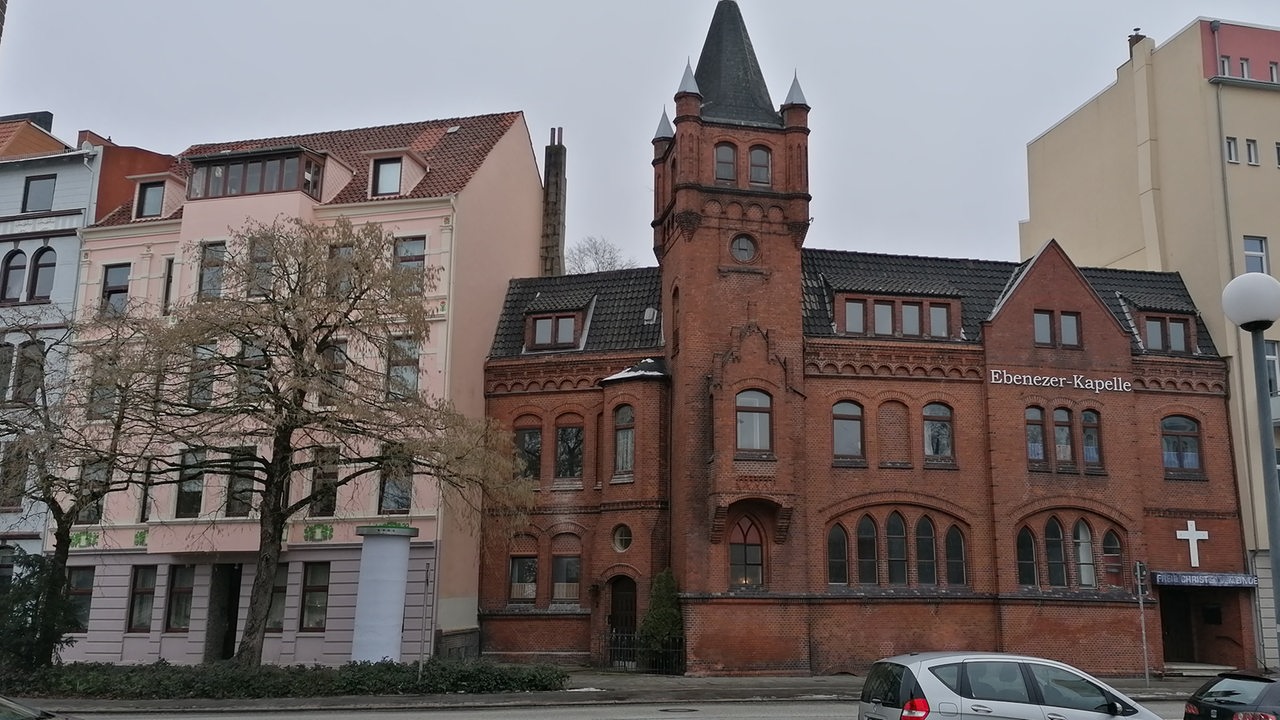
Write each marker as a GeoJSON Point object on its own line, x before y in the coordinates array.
{"type": "Point", "coordinates": [585, 687]}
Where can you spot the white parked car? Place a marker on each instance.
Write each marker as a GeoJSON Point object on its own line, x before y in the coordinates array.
{"type": "Point", "coordinates": [992, 686]}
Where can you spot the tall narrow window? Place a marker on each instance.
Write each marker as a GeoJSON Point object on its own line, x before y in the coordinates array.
{"type": "Point", "coordinates": [1224, 65]}
{"type": "Point", "coordinates": [1063, 446]}
{"type": "Point", "coordinates": [837, 556]}
{"type": "Point", "coordinates": [29, 375]}
{"type": "Point", "coordinates": [1244, 68]}
{"type": "Point", "coordinates": [115, 289]}
{"type": "Point", "coordinates": [212, 259]}
{"type": "Point", "coordinates": [882, 316]}
{"type": "Point", "coordinates": [761, 173]}
{"type": "Point", "coordinates": [1180, 439]}
{"type": "Point", "coordinates": [182, 582]}
{"type": "Point", "coordinates": [324, 483]}
{"type": "Point", "coordinates": [6, 568]}
{"type": "Point", "coordinates": [911, 319]}
{"type": "Point", "coordinates": [524, 579]}
{"type": "Point", "coordinates": [43, 264]}
{"type": "Point", "coordinates": [754, 431]}
{"type": "Point", "coordinates": [262, 264]}
{"type": "Point", "coordinates": [528, 439]}
{"type": "Point", "coordinates": [190, 484]}
{"type": "Point", "coordinates": [1055, 554]}
{"type": "Point", "coordinates": [726, 163]}
{"type": "Point", "coordinates": [386, 176]}
{"type": "Point", "coordinates": [166, 301]}
{"type": "Point", "coordinates": [6, 369]}
{"type": "Point", "coordinates": [13, 475]}
{"type": "Point", "coordinates": [1274, 69]}
{"type": "Point", "coordinates": [200, 382]}
{"type": "Point", "coordinates": [150, 199]}
{"type": "Point", "coordinates": [37, 193]}
{"type": "Point", "coordinates": [956, 573]}
{"type": "Point", "coordinates": [1085, 571]}
{"type": "Point", "coordinates": [1091, 438]}
{"type": "Point", "coordinates": [868, 562]}
{"type": "Point", "coordinates": [279, 595]}
{"type": "Point", "coordinates": [846, 430]}
{"type": "Point", "coordinates": [1232, 150]}
{"type": "Point", "coordinates": [1112, 560]}
{"type": "Point", "coordinates": [1255, 254]}
{"type": "Point", "coordinates": [1035, 435]}
{"type": "Point", "coordinates": [144, 494]}
{"type": "Point", "coordinates": [939, 321]}
{"type": "Point", "coordinates": [1043, 321]}
{"type": "Point", "coordinates": [15, 275]}
{"type": "Point", "coordinates": [341, 276]}
{"type": "Point", "coordinates": [402, 368]}
{"type": "Point", "coordinates": [1069, 329]}
{"type": "Point", "coordinates": [253, 369]}
{"type": "Point", "coordinates": [1251, 151]}
{"type": "Point", "coordinates": [240, 481]}
{"type": "Point", "coordinates": [895, 533]}
{"type": "Point", "coordinates": [95, 477]}
{"type": "Point", "coordinates": [926, 553]}
{"type": "Point", "coordinates": [315, 596]}
{"type": "Point", "coordinates": [569, 447]}
{"type": "Point", "coordinates": [411, 259]}
{"type": "Point", "coordinates": [746, 555]}
{"type": "Point", "coordinates": [937, 433]}
{"type": "Point", "coordinates": [142, 595]}
{"type": "Point", "coordinates": [334, 360]}
{"type": "Point", "coordinates": [624, 440]}
{"type": "Point", "coordinates": [80, 596]}
{"type": "Point", "coordinates": [396, 493]}
{"type": "Point", "coordinates": [1027, 558]}
{"type": "Point", "coordinates": [855, 317]}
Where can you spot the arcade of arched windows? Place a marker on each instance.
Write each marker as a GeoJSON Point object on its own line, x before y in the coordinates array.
{"type": "Point", "coordinates": [897, 548]}
{"type": "Point", "coordinates": [1070, 552]}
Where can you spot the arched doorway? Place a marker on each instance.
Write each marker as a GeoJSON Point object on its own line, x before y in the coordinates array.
{"type": "Point", "coordinates": [622, 622]}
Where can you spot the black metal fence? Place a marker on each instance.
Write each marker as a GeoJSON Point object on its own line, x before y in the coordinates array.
{"type": "Point", "coordinates": [625, 651]}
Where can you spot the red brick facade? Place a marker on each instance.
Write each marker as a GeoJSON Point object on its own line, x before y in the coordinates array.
{"type": "Point", "coordinates": [931, 557]}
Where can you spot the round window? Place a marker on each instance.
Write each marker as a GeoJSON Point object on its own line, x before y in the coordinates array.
{"type": "Point", "coordinates": [621, 538]}
{"type": "Point", "coordinates": [743, 248]}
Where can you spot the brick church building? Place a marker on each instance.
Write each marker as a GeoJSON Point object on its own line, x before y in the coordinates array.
{"type": "Point", "coordinates": [845, 455]}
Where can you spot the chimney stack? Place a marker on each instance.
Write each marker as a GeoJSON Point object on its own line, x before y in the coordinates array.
{"type": "Point", "coordinates": [1134, 39]}
{"type": "Point", "coordinates": [553, 206]}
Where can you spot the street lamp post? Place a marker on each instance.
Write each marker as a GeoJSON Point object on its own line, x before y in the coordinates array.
{"type": "Point", "coordinates": [1252, 301]}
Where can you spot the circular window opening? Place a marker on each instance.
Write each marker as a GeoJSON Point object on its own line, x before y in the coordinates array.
{"type": "Point", "coordinates": [743, 249]}
{"type": "Point", "coordinates": [621, 538]}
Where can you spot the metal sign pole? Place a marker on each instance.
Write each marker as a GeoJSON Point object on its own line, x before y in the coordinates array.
{"type": "Point", "coordinates": [1140, 576]}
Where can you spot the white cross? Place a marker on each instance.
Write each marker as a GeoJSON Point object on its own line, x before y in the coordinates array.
{"type": "Point", "coordinates": [1193, 538]}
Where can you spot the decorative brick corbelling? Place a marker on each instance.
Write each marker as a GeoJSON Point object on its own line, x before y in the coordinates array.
{"type": "Point", "coordinates": [1056, 504]}
{"type": "Point", "coordinates": [896, 499]}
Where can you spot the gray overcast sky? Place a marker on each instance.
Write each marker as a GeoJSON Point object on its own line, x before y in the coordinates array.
{"type": "Point", "coordinates": [921, 110]}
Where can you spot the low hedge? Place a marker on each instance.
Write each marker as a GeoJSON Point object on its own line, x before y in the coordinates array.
{"type": "Point", "coordinates": [163, 680]}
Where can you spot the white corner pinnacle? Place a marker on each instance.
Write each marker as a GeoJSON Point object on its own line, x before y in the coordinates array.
{"type": "Point", "coordinates": [795, 96]}
{"type": "Point", "coordinates": [687, 83]}
{"type": "Point", "coordinates": [665, 131]}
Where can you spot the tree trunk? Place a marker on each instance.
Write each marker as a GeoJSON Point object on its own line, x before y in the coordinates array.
{"type": "Point", "coordinates": [270, 532]}
{"type": "Point", "coordinates": [53, 595]}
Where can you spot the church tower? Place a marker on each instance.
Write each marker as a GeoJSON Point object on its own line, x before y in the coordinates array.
{"type": "Point", "coordinates": [731, 210]}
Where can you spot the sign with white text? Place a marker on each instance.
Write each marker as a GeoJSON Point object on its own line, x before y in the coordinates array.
{"type": "Point", "coordinates": [1077, 381]}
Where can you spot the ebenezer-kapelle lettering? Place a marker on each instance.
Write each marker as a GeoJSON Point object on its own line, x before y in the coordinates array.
{"type": "Point", "coordinates": [1080, 382]}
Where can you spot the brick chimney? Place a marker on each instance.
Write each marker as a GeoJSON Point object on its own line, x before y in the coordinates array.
{"type": "Point", "coordinates": [553, 202]}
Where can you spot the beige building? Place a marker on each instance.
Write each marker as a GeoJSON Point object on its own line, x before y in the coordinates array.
{"type": "Point", "coordinates": [1176, 167]}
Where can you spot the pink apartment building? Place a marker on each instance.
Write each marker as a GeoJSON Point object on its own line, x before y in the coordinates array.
{"type": "Point", "coordinates": [465, 195]}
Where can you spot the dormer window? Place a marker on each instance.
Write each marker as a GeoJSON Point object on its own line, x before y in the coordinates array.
{"type": "Point", "coordinates": [892, 317]}
{"type": "Point", "coordinates": [386, 176]}
{"type": "Point", "coordinates": [253, 173]}
{"type": "Point", "coordinates": [554, 331]}
{"type": "Point", "coordinates": [1167, 334]}
{"type": "Point", "coordinates": [150, 199]}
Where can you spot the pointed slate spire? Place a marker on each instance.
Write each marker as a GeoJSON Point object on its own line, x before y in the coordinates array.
{"type": "Point", "coordinates": [795, 96]}
{"type": "Point", "coordinates": [688, 83]}
{"type": "Point", "coordinates": [733, 88]}
{"type": "Point", "coordinates": [665, 131]}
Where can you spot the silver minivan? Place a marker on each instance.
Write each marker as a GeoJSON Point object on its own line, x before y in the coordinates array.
{"type": "Point", "coordinates": [991, 686]}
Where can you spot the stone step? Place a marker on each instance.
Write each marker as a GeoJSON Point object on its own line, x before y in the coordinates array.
{"type": "Point", "coordinates": [1194, 669]}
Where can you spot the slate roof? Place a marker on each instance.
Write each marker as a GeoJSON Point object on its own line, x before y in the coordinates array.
{"type": "Point", "coordinates": [729, 78]}
{"type": "Point", "coordinates": [621, 296]}
{"type": "Point", "coordinates": [452, 157]}
{"type": "Point", "coordinates": [617, 320]}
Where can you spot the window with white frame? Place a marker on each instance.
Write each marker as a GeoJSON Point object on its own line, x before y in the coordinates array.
{"type": "Point", "coordinates": [1224, 65]}
{"type": "Point", "coordinates": [1273, 365]}
{"type": "Point", "coordinates": [1244, 67]}
{"type": "Point", "coordinates": [1233, 150]}
{"type": "Point", "coordinates": [1251, 151]}
{"type": "Point", "coordinates": [1275, 72]}
{"type": "Point", "coordinates": [1255, 254]}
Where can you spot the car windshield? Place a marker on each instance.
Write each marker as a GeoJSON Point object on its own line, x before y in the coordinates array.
{"type": "Point", "coordinates": [1232, 691]}
{"type": "Point", "coordinates": [10, 710]}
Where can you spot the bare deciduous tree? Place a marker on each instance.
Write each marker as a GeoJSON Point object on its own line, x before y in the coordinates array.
{"type": "Point", "coordinates": [303, 346]}
{"type": "Point", "coordinates": [595, 254]}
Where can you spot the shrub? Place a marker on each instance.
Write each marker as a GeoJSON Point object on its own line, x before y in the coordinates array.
{"type": "Point", "coordinates": [162, 680]}
{"type": "Point", "coordinates": [661, 634]}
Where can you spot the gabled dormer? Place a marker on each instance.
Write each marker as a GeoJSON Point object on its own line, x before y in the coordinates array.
{"type": "Point", "coordinates": [156, 195]}
{"type": "Point", "coordinates": [557, 321]}
{"type": "Point", "coordinates": [395, 172]}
